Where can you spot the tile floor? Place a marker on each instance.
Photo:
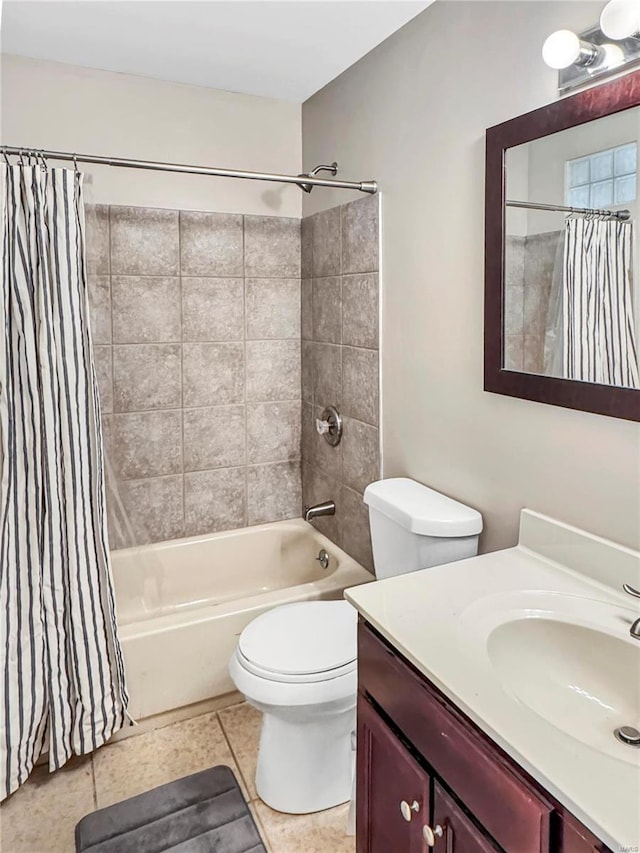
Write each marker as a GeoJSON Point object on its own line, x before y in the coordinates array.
{"type": "Point", "coordinates": [41, 816]}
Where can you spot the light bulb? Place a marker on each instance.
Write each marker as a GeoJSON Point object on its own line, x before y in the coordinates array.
{"type": "Point", "coordinates": [613, 56]}
{"type": "Point", "coordinates": [620, 19]}
{"type": "Point", "coordinates": [561, 49]}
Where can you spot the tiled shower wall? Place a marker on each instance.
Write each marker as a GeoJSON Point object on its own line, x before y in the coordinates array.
{"type": "Point", "coordinates": [196, 326]}
{"type": "Point", "coordinates": [340, 364]}
{"type": "Point", "coordinates": [529, 264]}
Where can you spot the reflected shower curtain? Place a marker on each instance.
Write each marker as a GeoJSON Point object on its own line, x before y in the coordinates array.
{"type": "Point", "coordinates": [598, 332]}
{"type": "Point", "coordinates": [61, 673]}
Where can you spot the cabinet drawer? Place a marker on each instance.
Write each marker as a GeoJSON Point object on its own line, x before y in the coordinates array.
{"type": "Point", "coordinates": [513, 812]}
{"type": "Point", "coordinates": [460, 834]}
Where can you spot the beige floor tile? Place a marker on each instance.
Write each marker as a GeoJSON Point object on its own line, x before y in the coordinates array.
{"type": "Point", "coordinates": [241, 724]}
{"type": "Point", "coordinates": [322, 832]}
{"type": "Point", "coordinates": [41, 816]}
{"type": "Point", "coordinates": [138, 764]}
{"type": "Point", "coordinates": [261, 829]}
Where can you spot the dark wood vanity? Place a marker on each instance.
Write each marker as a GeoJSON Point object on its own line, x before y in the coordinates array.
{"type": "Point", "coordinates": [429, 778]}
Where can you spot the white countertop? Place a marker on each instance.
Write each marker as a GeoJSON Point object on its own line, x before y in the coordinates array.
{"type": "Point", "coordinates": [430, 617]}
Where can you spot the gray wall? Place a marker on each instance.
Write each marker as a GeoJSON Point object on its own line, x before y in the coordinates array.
{"type": "Point", "coordinates": [340, 356]}
{"type": "Point", "coordinates": [196, 326]}
{"type": "Point", "coordinates": [412, 114]}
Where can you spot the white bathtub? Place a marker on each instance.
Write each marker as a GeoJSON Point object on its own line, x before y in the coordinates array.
{"type": "Point", "coordinates": [182, 604]}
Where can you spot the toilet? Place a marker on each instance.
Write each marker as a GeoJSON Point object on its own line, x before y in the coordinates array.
{"type": "Point", "coordinates": [297, 663]}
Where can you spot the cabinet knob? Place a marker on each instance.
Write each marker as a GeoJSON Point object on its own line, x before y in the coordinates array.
{"type": "Point", "coordinates": [430, 835]}
{"type": "Point", "coordinates": [409, 810]}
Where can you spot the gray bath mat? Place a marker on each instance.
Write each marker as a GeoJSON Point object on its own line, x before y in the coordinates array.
{"type": "Point", "coordinates": [203, 813]}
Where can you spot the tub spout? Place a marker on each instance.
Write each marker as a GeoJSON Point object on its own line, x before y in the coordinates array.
{"type": "Point", "coordinates": [325, 508]}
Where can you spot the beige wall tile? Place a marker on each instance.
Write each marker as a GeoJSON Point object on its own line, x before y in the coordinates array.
{"type": "Point", "coordinates": [360, 384]}
{"type": "Point", "coordinates": [214, 437]}
{"type": "Point", "coordinates": [145, 309]}
{"type": "Point", "coordinates": [129, 767]}
{"type": "Point", "coordinates": [273, 432]}
{"type": "Point", "coordinates": [326, 243]}
{"type": "Point", "coordinates": [99, 289]}
{"type": "Point", "coordinates": [306, 367]}
{"type": "Point", "coordinates": [97, 239]}
{"type": "Point", "coordinates": [318, 487]}
{"type": "Point", "coordinates": [360, 235]}
{"type": "Point", "coordinates": [273, 370]}
{"type": "Point", "coordinates": [271, 247]}
{"type": "Point", "coordinates": [210, 243]}
{"type": "Point", "coordinates": [144, 241]}
{"type": "Point", "coordinates": [360, 319]}
{"type": "Point", "coordinates": [146, 444]}
{"type": "Point", "coordinates": [360, 455]}
{"type": "Point", "coordinates": [327, 310]}
{"type": "Point", "coordinates": [327, 375]}
{"type": "Point", "coordinates": [513, 310]}
{"type": "Point", "coordinates": [514, 352]}
{"type": "Point", "coordinates": [104, 375]}
{"type": "Point", "coordinates": [306, 247]}
{"type": "Point", "coordinates": [214, 500]}
{"type": "Point", "coordinates": [212, 309]}
{"type": "Point", "coordinates": [146, 376]}
{"type": "Point", "coordinates": [273, 492]}
{"type": "Point", "coordinates": [273, 308]}
{"type": "Point", "coordinates": [41, 816]}
{"type": "Point", "coordinates": [306, 299]}
{"type": "Point", "coordinates": [355, 532]}
{"type": "Point", "coordinates": [154, 508]}
{"type": "Point", "coordinates": [213, 374]}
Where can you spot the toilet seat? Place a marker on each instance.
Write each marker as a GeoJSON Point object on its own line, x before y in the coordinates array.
{"type": "Point", "coordinates": [312, 641]}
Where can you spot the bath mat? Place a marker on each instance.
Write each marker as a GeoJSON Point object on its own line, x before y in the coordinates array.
{"type": "Point", "coordinates": [202, 813]}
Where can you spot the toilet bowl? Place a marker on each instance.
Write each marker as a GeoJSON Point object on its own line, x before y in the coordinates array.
{"type": "Point", "coordinates": [297, 665]}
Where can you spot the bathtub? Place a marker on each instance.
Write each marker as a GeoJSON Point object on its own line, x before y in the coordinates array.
{"type": "Point", "coordinates": [182, 604]}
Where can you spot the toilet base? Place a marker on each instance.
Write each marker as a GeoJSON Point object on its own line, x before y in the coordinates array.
{"type": "Point", "coordinates": [306, 760]}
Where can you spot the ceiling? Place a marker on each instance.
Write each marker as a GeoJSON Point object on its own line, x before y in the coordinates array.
{"type": "Point", "coordinates": [285, 50]}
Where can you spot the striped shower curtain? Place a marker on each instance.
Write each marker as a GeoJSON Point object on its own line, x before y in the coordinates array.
{"type": "Point", "coordinates": [599, 334]}
{"type": "Point", "coordinates": [61, 672]}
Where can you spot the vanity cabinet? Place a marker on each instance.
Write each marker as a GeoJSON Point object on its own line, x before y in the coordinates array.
{"type": "Point", "coordinates": [428, 778]}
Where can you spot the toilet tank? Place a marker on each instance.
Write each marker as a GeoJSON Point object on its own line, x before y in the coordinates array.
{"type": "Point", "coordinates": [414, 527]}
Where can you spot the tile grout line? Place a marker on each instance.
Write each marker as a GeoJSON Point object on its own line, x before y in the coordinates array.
{"type": "Point", "coordinates": [184, 485]}
{"type": "Point", "coordinates": [235, 757]}
{"type": "Point", "coordinates": [245, 371]}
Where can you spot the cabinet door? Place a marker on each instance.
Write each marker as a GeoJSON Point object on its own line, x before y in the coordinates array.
{"type": "Point", "coordinates": [455, 832]}
{"type": "Point", "coordinates": [392, 797]}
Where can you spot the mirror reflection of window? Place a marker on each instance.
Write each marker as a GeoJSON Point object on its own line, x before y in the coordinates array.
{"type": "Point", "coordinates": [571, 306]}
{"type": "Point", "coordinates": [603, 179]}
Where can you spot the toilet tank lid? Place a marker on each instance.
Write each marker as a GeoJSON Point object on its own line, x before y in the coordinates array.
{"type": "Point", "coordinates": [421, 509]}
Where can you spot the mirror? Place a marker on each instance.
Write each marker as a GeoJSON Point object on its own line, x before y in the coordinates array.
{"type": "Point", "coordinates": [562, 285]}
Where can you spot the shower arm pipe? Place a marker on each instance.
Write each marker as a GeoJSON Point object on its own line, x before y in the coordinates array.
{"type": "Point", "coordinates": [152, 165]}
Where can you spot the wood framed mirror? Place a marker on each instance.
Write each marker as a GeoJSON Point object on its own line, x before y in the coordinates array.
{"type": "Point", "coordinates": [562, 252]}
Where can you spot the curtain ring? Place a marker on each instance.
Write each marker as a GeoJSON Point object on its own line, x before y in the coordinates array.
{"type": "Point", "coordinates": [75, 165]}
{"type": "Point", "coordinates": [43, 162]}
{"type": "Point", "coordinates": [21, 157]}
{"type": "Point", "coordinates": [6, 157]}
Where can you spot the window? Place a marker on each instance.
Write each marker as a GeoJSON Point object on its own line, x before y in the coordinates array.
{"type": "Point", "coordinates": [603, 179]}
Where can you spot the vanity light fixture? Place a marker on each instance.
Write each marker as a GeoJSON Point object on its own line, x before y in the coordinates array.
{"type": "Point", "coordinates": [584, 57]}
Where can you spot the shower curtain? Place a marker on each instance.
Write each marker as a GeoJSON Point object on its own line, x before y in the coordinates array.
{"type": "Point", "coordinates": [62, 683]}
{"type": "Point", "coordinates": [598, 331]}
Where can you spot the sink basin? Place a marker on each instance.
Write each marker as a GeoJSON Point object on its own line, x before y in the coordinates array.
{"type": "Point", "coordinates": [568, 659]}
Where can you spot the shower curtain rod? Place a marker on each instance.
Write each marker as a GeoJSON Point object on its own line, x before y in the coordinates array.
{"type": "Point", "coordinates": [360, 186]}
{"type": "Point", "coordinates": [614, 214]}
